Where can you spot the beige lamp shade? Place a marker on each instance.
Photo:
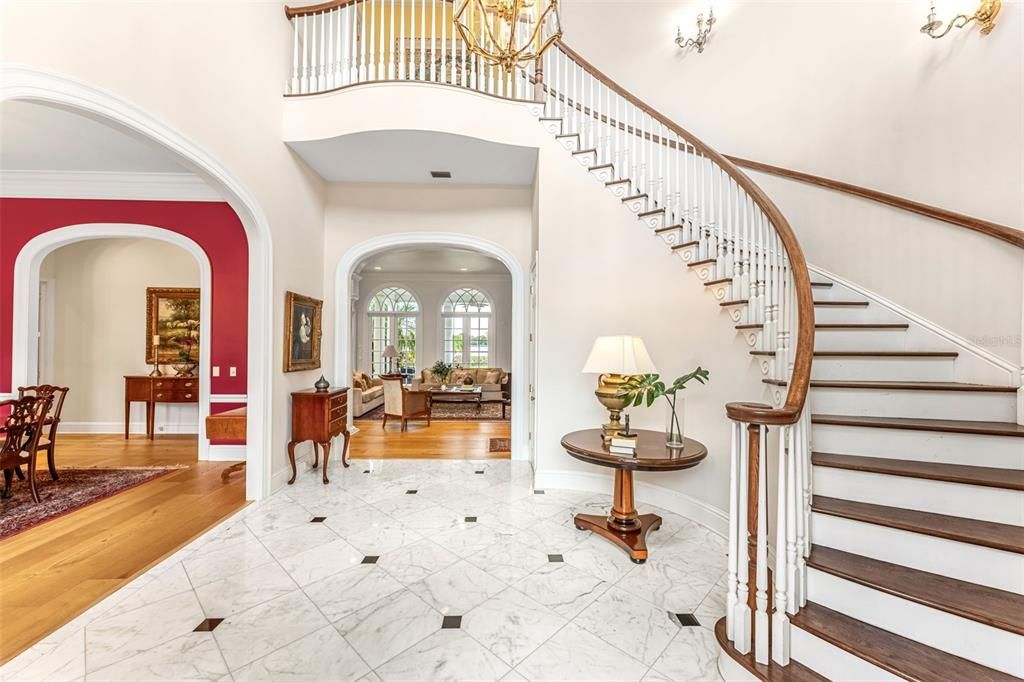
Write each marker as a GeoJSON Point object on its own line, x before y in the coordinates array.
{"type": "Point", "coordinates": [619, 355]}
{"type": "Point", "coordinates": [390, 352]}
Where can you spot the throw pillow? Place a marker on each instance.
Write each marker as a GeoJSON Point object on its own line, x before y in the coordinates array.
{"type": "Point", "coordinates": [357, 381]}
{"type": "Point", "coordinates": [366, 380]}
{"type": "Point", "coordinates": [428, 376]}
{"type": "Point", "coordinates": [459, 376]}
{"type": "Point", "coordinates": [493, 377]}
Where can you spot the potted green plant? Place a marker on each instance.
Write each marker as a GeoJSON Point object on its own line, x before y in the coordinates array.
{"type": "Point", "coordinates": [646, 388]}
{"type": "Point", "coordinates": [440, 371]}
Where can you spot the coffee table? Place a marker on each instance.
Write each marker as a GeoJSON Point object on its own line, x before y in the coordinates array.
{"type": "Point", "coordinates": [458, 394]}
{"type": "Point", "coordinates": [623, 526]}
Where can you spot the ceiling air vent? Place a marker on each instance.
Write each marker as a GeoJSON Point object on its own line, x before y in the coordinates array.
{"type": "Point", "coordinates": [440, 174]}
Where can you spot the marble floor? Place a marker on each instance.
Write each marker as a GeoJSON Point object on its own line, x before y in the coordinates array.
{"type": "Point", "coordinates": [406, 570]}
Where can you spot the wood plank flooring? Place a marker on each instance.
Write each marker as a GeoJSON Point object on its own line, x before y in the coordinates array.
{"type": "Point", "coordinates": [52, 573]}
{"type": "Point", "coordinates": [441, 440]}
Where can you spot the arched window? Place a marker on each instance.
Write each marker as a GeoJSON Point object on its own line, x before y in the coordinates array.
{"type": "Point", "coordinates": [394, 321]}
{"type": "Point", "coordinates": [466, 317]}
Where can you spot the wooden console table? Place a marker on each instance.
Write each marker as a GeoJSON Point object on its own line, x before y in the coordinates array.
{"type": "Point", "coordinates": [624, 526]}
{"type": "Point", "coordinates": [153, 390]}
{"type": "Point", "coordinates": [319, 416]}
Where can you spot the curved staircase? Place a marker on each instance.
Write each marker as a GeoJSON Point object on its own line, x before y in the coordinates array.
{"type": "Point", "coordinates": [898, 538]}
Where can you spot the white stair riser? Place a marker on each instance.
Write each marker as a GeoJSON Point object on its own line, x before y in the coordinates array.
{"type": "Point", "coordinates": [884, 369]}
{"type": "Point", "coordinates": [939, 497]}
{"type": "Point", "coordinates": [960, 560]}
{"type": "Point", "coordinates": [570, 144]}
{"type": "Point", "coordinates": [860, 339]}
{"type": "Point", "coordinates": [636, 204]}
{"type": "Point", "coordinates": [832, 662]}
{"type": "Point", "coordinates": [962, 637]}
{"type": "Point", "coordinates": [839, 315]}
{"type": "Point", "coordinates": [1004, 452]}
{"type": "Point", "coordinates": [586, 160]}
{"type": "Point", "coordinates": [967, 405]}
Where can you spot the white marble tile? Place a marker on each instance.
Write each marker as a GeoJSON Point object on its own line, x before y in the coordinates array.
{"type": "Point", "coordinates": [511, 625]}
{"type": "Point", "coordinates": [561, 587]}
{"type": "Point", "coordinates": [388, 627]}
{"type": "Point", "coordinates": [54, 661]}
{"type": "Point", "coordinates": [692, 655]}
{"type": "Point", "coordinates": [666, 587]}
{"type": "Point", "coordinates": [654, 676]}
{"type": "Point", "coordinates": [508, 560]}
{"type": "Point", "coordinates": [249, 635]}
{"type": "Point", "coordinates": [508, 515]}
{"type": "Point", "coordinates": [348, 591]}
{"type": "Point", "coordinates": [434, 520]}
{"type": "Point", "coordinates": [601, 558]}
{"type": "Point", "coordinates": [574, 654]}
{"type": "Point", "coordinates": [320, 562]}
{"type": "Point", "coordinates": [445, 656]}
{"type": "Point", "coordinates": [356, 520]}
{"type": "Point", "coordinates": [271, 517]}
{"type": "Point", "coordinates": [713, 607]}
{"type": "Point", "coordinates": [243, 590]}
{"type": "Point", "coordinates": [514, 676]}
{"type": "Point", "coordinates": [630, 623]}
{"type": "Point", "coordinates": [216, 563]}
{"type": "Point", "coordinates": [194, 656]}
{"type": "Point", "coordinates": [114, 638]}
{"type": "Point", "coordinates": [322, 655]}
{"type": "Point", "coordinates": [149, 588]}
{"type": "Point", "coordinates": [415, 562]}
{"type": "Point", "coordinates": [553, 538]}
{"type": "Point", "coordinates": [291, 541]}
{"type": "Point", "coordinates": [467, 538]}
{"type": "Point", "coordinates": [458, 588]}
{"type": "Point", "coordinates": [381, 538]}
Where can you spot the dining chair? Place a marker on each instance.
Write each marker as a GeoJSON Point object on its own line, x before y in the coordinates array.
{"type": "Point", "coordinates": [48, 442]}
{"type": "Point", "coordinates": [23, 427]}
{"type": "Point", "coordinates": [401, 403]}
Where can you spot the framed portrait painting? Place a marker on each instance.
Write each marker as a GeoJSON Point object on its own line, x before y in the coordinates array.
{"type": "Point", "coordinates": [172, 318]}
{"type": "Point", "coordinates": [302, 330]}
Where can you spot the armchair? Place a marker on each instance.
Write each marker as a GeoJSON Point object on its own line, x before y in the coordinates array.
{"type": "Point", "coordinates": [47, 442]}
{"type": "Point", "coordinates": [401, 403]}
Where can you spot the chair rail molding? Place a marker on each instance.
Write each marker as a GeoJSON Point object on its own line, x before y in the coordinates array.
{"type": "Point", "coordinates": [23, 82]}
{"type": "Point", "coordinates": [520, 301]}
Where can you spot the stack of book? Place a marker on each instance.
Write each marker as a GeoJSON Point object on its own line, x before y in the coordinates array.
{"type": "Point", "coordinates": [623, 443]}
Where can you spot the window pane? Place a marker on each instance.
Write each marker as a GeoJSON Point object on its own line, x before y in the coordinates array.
{"type": "Point", "coordinates": [393, 300]}
{"type": "Point", "coordinates": [479, 342]}
{"type": "Point", "coordinates": [452, 350]}
{"type": "Point", "coordinates": [466, 301]}
{"type": "Point", "coordinates": [407, 340]}
{"type": "Point", "coordinates": [380, 337]}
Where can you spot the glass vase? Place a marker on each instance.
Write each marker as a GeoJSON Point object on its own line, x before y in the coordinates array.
{"type": "Point", "coordinates": [674, 423]}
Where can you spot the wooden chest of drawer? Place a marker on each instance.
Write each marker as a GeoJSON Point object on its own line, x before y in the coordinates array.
{"type": "Point", "coordinates": [319, 416]}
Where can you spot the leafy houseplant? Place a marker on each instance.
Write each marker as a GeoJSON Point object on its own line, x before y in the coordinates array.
{"type": "Point", "coordinates": [646, 388]}
{"type": "Point", "coordinates": [441, 370]}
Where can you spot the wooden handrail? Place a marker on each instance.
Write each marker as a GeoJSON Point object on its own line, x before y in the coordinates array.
{"type": "Point", "coordinates": [1006, 233]}
{"type": "Point", "coordinates": [292, 12]}
{"type": "Point", "coordinates": [800, 379]}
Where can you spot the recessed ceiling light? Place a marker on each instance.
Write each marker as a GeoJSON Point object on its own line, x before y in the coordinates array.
{"type": "Point", "coordinates": [376, 267]}
{"type": "Point", "coordinates": [440, 174]}
{"type": "Point", "coordinates": [463, 269]}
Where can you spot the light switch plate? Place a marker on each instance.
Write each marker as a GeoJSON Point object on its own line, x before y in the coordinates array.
{"type": "Point", "coordinates": [233, 371]}
{"type": "Point", "coordinates": [216, 370]}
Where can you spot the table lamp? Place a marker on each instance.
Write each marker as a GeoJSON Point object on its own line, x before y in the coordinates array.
{"type": "Point", "coordinates": [390, 352]}
{"type": "Point", "coordinates": [614, 359]}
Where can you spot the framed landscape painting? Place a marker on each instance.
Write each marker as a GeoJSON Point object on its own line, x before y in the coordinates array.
{"type": "Point", "coordinates": [302, 330]}
{"type": "Point", "coordinates": [173, 316]}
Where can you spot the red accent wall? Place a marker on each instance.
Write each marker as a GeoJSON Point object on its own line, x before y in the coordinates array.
{"type": "Point", "coordinates": [212, 225]}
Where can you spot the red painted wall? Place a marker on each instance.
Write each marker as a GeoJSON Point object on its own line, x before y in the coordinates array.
{"type": "Point", "coordinates": [213, 226]}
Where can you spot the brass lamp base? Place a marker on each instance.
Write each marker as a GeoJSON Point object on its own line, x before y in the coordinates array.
{"type": "Point", "coordinates": [608, 387]}
{"type": "Point", "coordinates": [156, 371]}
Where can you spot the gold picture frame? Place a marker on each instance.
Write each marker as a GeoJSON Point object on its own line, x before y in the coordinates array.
{"type": "Point", "coordinates": [173, 315]}
{"type": "Point", "coordinates": [302, 332]}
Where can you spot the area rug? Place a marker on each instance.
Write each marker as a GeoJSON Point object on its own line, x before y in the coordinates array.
{"type": "Point", "coordinates": [75, 489]}
{"type": "Point", "coordinates": [453, 412]}
{"type": "Point", "coordinates": [500, 445]}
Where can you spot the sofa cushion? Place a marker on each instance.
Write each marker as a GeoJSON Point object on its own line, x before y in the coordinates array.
{"type": "Point", "coordinates": [490, 376]}
{"type": "Point", "coordinates": [372, 393]}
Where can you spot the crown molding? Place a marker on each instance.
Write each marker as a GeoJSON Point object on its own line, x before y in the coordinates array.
{"type": "Point", "coordinates": [21, 184]}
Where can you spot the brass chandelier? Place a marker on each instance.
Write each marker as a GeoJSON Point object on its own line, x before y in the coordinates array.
{"type": "Point", "coordinates": [508, 32]}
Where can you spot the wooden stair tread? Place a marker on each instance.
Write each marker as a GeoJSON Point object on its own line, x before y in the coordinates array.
{"type": "Point", "coordinates": [615, 182]}
{"type": "Point", "coordinates": [991, 477]}
{"type": "Point", "coordinates": [751, 325]}
{"type": "Point", "coordinates": [644, 214]}
{"type": "Point", "coordinates": [558, 137]}
{"type": "Point", "coordinates": [669, 228]}
{"type": "Point", "coordinates": [972, 531]}
{"type": "Point", "coordinates": [702, 262]}
{"type": "Point", "coordinates": [684, 245]}
{"type": "Point", "coordinates": [738, 301]}
{"type": "Point", "coordinates": [998, 608]}
{"type": "Point", "coordinates": [872, 353]}
{"type": "Point", "coordinates": [900, 656]}
{"type": "Point", "coordinates": [717, 281]}
{"type": "Point", "coordinates": [599, 166]}
{"type": "Point", "coordinates": [634, 196]}
{"type": "Point", "coordinates": [864, 325]}
{"type": "Point", "coordinates": [903, 385]}
{"type": "Point", "coordinates": [585, 151]}
{"type": "Point", "coordinates": [772, 672]}
{"type": "Point", "coordinates": [842, 304]}
{"type": "Point", "coordinates": [822, 285]}
{"type": "Point", "coordinates": [914, 424]}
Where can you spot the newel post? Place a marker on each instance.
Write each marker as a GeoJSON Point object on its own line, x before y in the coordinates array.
{"type": "Point", "coordinates": [538, 78]}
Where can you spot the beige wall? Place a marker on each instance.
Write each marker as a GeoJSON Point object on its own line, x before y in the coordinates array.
{"type": "Point", "coordinates": [99, 331]}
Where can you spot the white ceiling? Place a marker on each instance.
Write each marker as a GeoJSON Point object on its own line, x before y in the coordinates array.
{"type": "Point", "coordinates": [35, 137]}
{"type": "Point", "coordinates": [408, 156]}
{"type": "Point", "coordinates": [431, 260]}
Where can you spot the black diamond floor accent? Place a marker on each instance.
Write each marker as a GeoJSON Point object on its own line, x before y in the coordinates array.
{"type": "Point", "coordinates": [451, 622]}
{"type": "Point", "coordinates": [477, 472]}
{"type": "Point", "coordinates": [411, 492]}
{"type": "Point", "coordinates": [538, 492]}
{"type": "Point", "coordinates": [318, 519]}
{"type": "Point", "coordinates": [366, 471]}
{"type": "Point", "coordinates": [555, 558]}
{"type": "Point", "coordinates": [470, 519]}
{"type": "Point", "coordinates": [370, 559]}
{"type": "Point", "coordinates": [687, 620]}
{"type": "Point", "coordinates": [208, 625]}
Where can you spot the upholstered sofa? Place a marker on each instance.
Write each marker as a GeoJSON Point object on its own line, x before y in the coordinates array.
{"type": "Point", "coordinates": [489, 379]}
{"type": "Point", "coordinates": [367, 393]}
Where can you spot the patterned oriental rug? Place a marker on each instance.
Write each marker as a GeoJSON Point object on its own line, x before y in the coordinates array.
{"type": "Point", "coordinates": [453, 412]}
{"type": "Point", "coordinates": [75, 489]}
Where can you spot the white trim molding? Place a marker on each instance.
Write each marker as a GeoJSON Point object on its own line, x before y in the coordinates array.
{"type": "Point", "coordinates": [23, 82]}
{"type": "Point", "coordinates": [227, 453]}
{"type": "Point", "coordinates": [23, 184]}
{"type": "Point", "coordinates": [229, 398]}
{"type": "Point", "coordinates": [520, 301]}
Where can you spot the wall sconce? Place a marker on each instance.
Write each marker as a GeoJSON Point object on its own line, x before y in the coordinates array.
{"type": "Point", "coordinates": [703, 32]}
{"type": "Point", "coordinates": [985, 15]}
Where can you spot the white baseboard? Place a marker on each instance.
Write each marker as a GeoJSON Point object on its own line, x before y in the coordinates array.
{"type": "Point", "coordinates": [227, 453]}
{"type": "Point", "coordinates": [133, 427]}
{"type": "Point", "coordinates": [672, 500]}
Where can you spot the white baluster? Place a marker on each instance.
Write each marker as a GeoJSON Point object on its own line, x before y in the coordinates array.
{"type": "Point", "coordinates": [761, 595]}
{"type": "Point", "coordinates": [321, 80]}
{"type": "Point", "coordinates": [808, 487]}
{"type": "Point", "coordinates": [780, 621]}
{"type": "Point", "coordinates": [294, 85]}
{"type": "Point", "coordinates": [792, 519]}
{"type": "Point", "coordinates": [735, 548]}
{"type": "Point", "coordinates": [382, 72]}
{"type": "Point", "coordinates": [743, 616]}
{"type": "Point", "coordinates": [354, 23]}
{"type": "Point", "coordinates": [465, 66]}
{"type": "Point", "coordinates": [423, 42]}
{"type": "Point", "coordinates": [331, 65]}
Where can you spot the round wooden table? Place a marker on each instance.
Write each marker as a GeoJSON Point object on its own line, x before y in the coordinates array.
{"type": "Point", "coordinates": [623, 526]}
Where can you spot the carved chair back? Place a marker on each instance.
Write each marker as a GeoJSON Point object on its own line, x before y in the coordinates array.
{"type": "Point", "coordinates": [58, 393]}
{"type": "Point", "coordinates": [22, 429]}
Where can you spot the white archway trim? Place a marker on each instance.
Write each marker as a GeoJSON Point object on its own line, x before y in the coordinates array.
{"type": "Point", "coordinates": [29, 83]}
{"type": "Point", "coordinates": [520, 301]}
{"type": "Point", "coordinates": [24, 349]}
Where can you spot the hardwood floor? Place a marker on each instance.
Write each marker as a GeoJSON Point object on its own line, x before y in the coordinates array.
{"type": "Point", "coordinates": [52, 573]}
{"type": "Point", "coordinates": [441, 440]}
